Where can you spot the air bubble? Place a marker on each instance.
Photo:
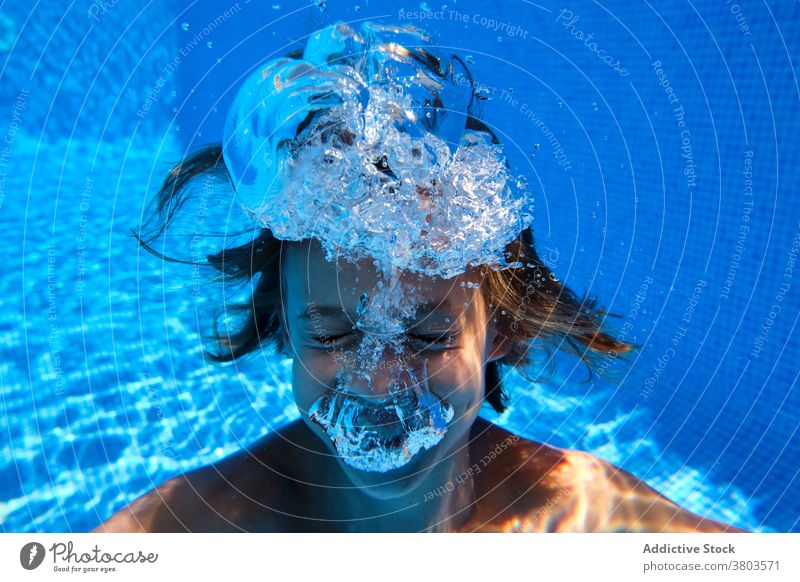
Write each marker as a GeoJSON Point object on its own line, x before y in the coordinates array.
{"type": "Point", "coordinates": [376, 437]}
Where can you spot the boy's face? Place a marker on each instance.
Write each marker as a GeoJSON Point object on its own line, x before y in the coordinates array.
{"type": "Point", "coordinates": [452, 331]}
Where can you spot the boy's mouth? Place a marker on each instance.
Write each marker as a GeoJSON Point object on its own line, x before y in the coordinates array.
{"type": "Point", "coordinates": [379, 437]}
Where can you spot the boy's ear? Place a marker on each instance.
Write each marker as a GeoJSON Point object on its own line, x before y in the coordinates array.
{"type": "Point", "coordinates": [287, 345]}
{"type": "Point", "coordinates": [500, 347]}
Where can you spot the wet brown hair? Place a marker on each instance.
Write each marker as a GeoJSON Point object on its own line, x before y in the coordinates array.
{"type": "Point", "coordinates": [532, 307]}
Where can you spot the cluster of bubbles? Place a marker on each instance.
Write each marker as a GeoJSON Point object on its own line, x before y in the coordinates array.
{"type": "Point", "coordinates": [380, 437]}
{"type": "Point", "coordinates": [364, 145]}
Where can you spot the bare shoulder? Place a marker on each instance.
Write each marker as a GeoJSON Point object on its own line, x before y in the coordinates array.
{"type": "Point", "coordinates": [592, 494]}
{"type": "Point", "coordinates": [537, 487]}
{"type": "Point", "coordinates": [238, 493]}
{"type": "Point", "coordinates": [620, 501]}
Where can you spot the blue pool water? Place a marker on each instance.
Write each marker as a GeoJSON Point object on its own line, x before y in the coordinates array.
{"type": "Point", "coordinates": [663, 154]}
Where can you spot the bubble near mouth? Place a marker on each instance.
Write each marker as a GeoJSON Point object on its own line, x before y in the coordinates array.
{"type": "Point", "coordinates": [379, 437]}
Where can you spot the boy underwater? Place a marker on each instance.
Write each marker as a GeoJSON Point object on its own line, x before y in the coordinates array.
{"type": "Point", "coordinates": [395, 264]}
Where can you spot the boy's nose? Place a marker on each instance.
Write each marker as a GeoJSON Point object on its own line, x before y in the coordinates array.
{"type": "Point", "coordinates": [376, 384]}
{"type": "Point", "coordinates": [377, 380]}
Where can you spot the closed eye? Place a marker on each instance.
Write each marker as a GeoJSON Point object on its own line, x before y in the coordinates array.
{"type": "Point", "coordinates": [432, 342]}
{"type": "Point", "coordinates": [329, 340]}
